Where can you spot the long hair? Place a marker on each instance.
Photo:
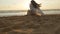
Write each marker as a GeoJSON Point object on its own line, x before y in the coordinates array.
{"type": "Point", "coordinates": [35, 4]}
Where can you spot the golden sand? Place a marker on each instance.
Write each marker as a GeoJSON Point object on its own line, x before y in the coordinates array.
{"type": "Point", "coordinates": [47, 24]}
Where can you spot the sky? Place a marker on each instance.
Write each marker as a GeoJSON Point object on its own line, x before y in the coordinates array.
{"type": "Point", "coordinates": [24, 4]}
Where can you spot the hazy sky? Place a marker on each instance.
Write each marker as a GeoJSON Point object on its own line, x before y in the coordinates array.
{"type": "Point", "coordinates": [24, 4]}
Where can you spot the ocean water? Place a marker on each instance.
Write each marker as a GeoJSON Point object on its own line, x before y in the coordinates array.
{"type": "Point", "coordinates": [24, 12]}
{"type": "Point", "coordinates": [51, 12]}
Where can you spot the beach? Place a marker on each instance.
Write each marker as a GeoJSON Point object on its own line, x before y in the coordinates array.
{"type": "Point", "coordinates": [30, 24]}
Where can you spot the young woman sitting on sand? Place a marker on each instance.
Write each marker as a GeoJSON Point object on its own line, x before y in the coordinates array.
{"type": "Point", "coordinates": [34, 8]}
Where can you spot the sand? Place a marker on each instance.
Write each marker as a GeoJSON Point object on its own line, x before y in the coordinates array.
{"type": "Point", "coordinates": [47, 24]}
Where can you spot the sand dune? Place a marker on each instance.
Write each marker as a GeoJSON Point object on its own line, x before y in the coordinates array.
{"type": "Point", "coordinates": [47, 24]}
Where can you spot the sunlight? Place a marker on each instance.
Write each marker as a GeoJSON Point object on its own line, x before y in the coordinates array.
{"type": "Point", "coordinates": [26, 4]}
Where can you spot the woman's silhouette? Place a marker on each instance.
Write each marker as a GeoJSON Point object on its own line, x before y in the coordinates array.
{"type": "Point", "coordinates": [34, 8]}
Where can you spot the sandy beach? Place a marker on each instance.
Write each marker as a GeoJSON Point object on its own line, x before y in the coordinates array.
{"type": "Point", "coordinates": [47, 24]}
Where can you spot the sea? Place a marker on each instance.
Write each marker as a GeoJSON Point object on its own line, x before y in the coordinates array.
{"type": "Point", "coordinates": [24, 12]}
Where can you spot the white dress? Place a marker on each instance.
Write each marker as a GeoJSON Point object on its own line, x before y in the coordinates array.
{"type": "Point", "coordinates": [37, 11]}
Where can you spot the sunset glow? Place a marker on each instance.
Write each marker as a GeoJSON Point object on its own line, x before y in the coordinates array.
{"type": "Point", "coordinates": [24, 4]}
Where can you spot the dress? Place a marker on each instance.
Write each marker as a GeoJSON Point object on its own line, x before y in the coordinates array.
{"type": "Point", "coordinates": [36, 11]}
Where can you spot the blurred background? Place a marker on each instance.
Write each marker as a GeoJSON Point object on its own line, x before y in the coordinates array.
{"type": "Point", "coordinates": [20, 7]}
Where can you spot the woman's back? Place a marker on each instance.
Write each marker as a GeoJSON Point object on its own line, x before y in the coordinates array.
{"type": "Point", "coordinates": [34, 10]}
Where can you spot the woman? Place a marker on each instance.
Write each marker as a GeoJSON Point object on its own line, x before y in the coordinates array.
{"type": "Point", "coordinates": [34, 8]}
